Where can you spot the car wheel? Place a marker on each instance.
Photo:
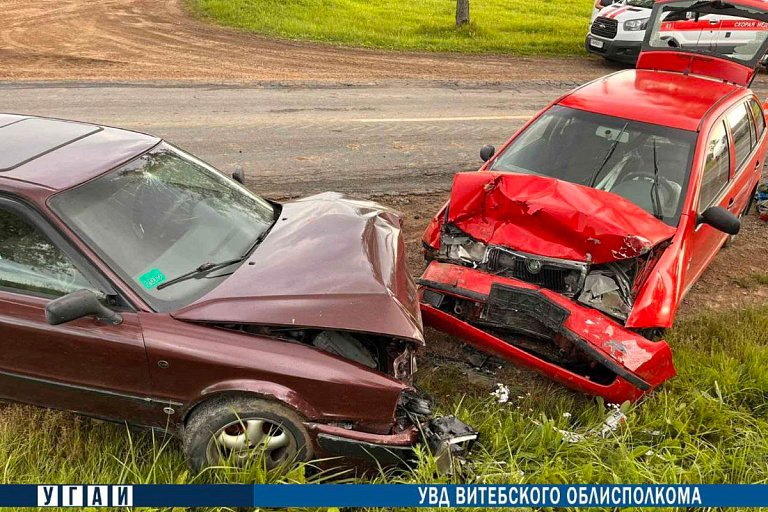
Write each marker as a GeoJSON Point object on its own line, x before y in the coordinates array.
{"type": "Point", "coordinates": [236, 429]}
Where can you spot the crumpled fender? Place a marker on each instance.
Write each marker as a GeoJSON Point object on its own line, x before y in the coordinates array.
{"type": "Point", "coordinates": [642, 364]}
{"type": "Point", "coordinates": [660, 295]}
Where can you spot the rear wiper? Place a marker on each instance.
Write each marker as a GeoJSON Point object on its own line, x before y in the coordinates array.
{"type": "Point", "coordinates": [607, 157]}
{"type": "Point", "coordinates": [655, 197]}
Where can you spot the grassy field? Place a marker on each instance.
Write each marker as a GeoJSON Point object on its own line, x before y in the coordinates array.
{"type": "Point", "coordinates": [522, 27]}
{"type": "Point", "coordinates": [710, 425]}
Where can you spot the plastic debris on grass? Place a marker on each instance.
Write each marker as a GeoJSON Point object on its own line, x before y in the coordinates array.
{"type": "Point", "coordinates": [612, 422]}
{"type": "Point", "coordinates": [501, 393]}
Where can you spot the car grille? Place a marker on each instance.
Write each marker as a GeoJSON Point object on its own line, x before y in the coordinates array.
{"type": "Point", "coordinates": [605, 27]}
{"type": "Point", "coordinates": [555, 278]}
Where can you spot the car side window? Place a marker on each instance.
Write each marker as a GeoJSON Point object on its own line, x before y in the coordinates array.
{"type": "Point", "coordinates": [717, 167]}
{"type": "Point", "coordinates": [31, 264]}
{"type": "Point", "coordinates": [757, 113]}
{"type": "Point", "coordinates": [738, 119]}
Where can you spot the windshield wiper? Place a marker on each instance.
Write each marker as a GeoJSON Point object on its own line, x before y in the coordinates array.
{"type": "Point", "coordinates": [607, 156]}
{"type": "Point", "coordinates": [208, 267]}
{"type": "Point", "coordinates": [202, 270]}
{"type": "Point", "coordinates": [655, 197]}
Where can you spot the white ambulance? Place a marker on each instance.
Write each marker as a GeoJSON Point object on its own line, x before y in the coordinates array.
{"type": "Point", "coordinates": [618, 30]}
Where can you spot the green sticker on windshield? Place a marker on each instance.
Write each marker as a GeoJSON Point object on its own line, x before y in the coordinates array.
{"type": "Point", "coordinates": [152, 278]}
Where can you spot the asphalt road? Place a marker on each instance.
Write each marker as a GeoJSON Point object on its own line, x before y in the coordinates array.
{"type": "Point", "coordinates": [299, 140]}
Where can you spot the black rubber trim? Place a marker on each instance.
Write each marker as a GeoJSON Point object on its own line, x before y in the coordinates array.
{"type": "Point", "coordinates": [383, 454]}
{"type": "Point", "coordinates": [591, 351]}
{"type": "Point", "coordinates": [75, 387]}
{"type": "Point", "coordinates": [452, 289]}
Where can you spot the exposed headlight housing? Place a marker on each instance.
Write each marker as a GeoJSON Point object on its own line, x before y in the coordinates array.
{"type": "Point", "coordinates": [636, 25]}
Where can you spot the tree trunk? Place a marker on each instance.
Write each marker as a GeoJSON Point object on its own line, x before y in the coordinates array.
{"type": "Point", "coordinates": [462, 13]}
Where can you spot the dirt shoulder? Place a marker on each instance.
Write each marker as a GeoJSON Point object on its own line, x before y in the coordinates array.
{"type": "Point", "coordinates": [133, 40]}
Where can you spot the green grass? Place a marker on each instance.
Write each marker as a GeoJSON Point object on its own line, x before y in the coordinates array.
{"type": "Point", "coordinates": [521, 27]}
{"type": "Point", "coordinates": [753, 280]}
{"type": "Point", "coordinates": [709, 425]}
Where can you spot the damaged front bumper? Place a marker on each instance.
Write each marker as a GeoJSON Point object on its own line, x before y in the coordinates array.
{"type": "Point", "coordinates": [574, 345]}
{"type": "Point", "coordinates": [449, 439]}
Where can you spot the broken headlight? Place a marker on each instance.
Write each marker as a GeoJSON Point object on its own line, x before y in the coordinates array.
{"type": "Point", "coordinates": [558, 275]}
{"type": "Point", "coordinates": [608, 288]}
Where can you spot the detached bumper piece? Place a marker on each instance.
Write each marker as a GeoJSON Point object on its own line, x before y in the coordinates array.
{"type": "Point", "coordinates": [576, 346]}
{"type": "Point", "coordinates": [450, 441]}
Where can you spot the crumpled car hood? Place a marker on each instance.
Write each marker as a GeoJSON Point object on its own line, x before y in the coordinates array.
{"type": "Point", "coordinates": [328, 263]}
{"type": "Point", "coordinates": [550, 217]}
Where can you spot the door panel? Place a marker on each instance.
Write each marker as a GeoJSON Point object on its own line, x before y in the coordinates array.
{"type": "Point", "coordinates": [85, 365]}
{"type": "Point", "coordinates": [718, 169]}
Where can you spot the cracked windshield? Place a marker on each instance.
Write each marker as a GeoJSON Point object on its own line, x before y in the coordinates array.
{"type": "Point", "coordinates": [163, 215]}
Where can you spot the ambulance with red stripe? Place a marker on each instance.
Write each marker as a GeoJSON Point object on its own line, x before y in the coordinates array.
{"type": "Point", "coordinates": [617, 32]}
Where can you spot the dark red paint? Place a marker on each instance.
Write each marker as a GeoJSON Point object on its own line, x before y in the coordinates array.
{"type": "Point", "coordinates": [330, 263]}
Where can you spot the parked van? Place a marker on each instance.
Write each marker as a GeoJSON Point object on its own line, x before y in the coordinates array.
{"type": "Point", "coordinates": [618, 31]}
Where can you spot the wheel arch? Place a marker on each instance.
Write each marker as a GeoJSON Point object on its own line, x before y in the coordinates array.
{"type": "Point", "coordinates": [258, 389]}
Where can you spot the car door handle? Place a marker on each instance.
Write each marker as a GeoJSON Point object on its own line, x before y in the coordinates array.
{"type": "Point", "coordinates": [757, 164]}
{"type": "Point", "coordinates": [730, 202]}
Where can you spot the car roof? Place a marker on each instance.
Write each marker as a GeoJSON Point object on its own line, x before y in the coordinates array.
{"type": "Point", "coordinates": [665, 98]}
{"type": "Point", "coordinates": [57, 154]}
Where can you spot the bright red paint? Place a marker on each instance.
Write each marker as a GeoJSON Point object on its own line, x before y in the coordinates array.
{"type": "Point", "coordinates": [657, 97]}
{"type": "Point", "coordinates": [552, 218]}
{"type": "Point", "coordinates": [700, 65]}
{"type": "Point", "coordinates": [651, 361]}
{"type": "Point", "coordinates": [549, 217]}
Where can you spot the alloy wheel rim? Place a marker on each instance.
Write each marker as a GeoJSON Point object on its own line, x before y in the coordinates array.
{"type": "Point", "coordinates": [246, 438]}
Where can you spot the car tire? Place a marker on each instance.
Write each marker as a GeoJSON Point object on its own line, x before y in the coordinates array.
{"type": "Point", "coordinates": [216, 433]}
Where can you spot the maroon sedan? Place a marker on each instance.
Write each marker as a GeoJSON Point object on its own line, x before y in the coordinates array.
{"type": "Point", "coordinates": [138, 284]}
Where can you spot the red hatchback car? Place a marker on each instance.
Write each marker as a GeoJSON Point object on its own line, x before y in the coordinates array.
{"type": "Point", "coordinates": [572, 249]}
{"type": "Point", "coordinates": [140, 285]}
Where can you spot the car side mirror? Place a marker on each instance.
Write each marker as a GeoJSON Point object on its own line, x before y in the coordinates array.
{"type": "Point", "coordinates": [238, 175]}
{"type": "Point", "coordinates": [720, 219]}
{"type": "Point", "coordinates": [487, 152]}
{"type": "Point", "coordinates": [79, 304]}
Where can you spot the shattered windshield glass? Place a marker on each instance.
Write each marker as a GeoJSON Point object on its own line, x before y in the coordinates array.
{"type": "Point", "coordinates": [162, 215]}
{"type": "Point", "coordinates": [627, 158]}
{"type": "Point", "coordinates": [711, 28]}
